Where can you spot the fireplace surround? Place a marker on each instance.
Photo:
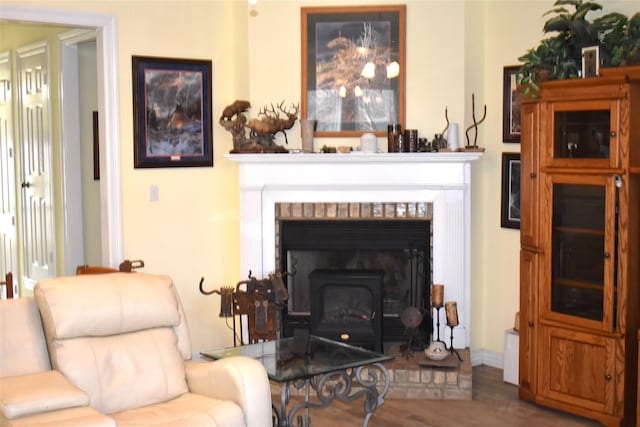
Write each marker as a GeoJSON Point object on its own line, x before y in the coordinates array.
{"type": "Point", "coordinates": [441, 179]}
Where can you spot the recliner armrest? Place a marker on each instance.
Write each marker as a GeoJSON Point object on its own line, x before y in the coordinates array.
{"type": "Point", "coordinates": [242, 380]}
{"type": "Point", "coordinates": [30, 394]}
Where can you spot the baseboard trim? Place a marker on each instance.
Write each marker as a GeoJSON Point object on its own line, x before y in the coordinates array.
{"type": "Point", "coordinates": [487, 357]}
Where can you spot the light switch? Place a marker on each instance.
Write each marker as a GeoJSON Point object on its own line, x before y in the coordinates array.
{"type": "Point", "coordinates": [153, 193]}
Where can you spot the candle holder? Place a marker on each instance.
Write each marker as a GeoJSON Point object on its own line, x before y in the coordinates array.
{"type": "Point", "coordinates": [451, 349]}
{"type": "Point", "coordinates": [438, 323]}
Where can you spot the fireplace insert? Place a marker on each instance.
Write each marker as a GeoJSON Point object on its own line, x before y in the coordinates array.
{"type": "Point", "coordinates": [346, 306]}
{"type": "Point", "coordinates": [400, 248]}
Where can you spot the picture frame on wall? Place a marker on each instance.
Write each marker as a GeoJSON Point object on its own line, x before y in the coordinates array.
{"type": "Point", "coordinates": [510, 105]}
{"type": "Point", "coordinates": [172, 112]}
{"type": "Point", "coordinates": [510, 194]}
{"type": "Point", "coordinates": [353, 68]}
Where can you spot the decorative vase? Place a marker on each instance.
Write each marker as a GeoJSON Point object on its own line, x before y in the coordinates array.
{"type": "Point", "coordinates": [307, 127]}
{"type": "Point", "coordinates": [452, 137]}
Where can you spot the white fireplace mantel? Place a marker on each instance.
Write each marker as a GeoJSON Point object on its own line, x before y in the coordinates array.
{"type": "Point", "coordinates": [442, 179]}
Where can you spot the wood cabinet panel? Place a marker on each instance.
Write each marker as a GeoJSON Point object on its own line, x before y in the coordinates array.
{"type": "Point", "coordinates": [528, 317]}
{"type": "Point", "coordinates": [529, 176]}
{"type": "Point", "coordinates": [577, 368]}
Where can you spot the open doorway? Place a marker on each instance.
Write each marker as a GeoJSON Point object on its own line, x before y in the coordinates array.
{"type": "Point", "coordinates": [107, 106]}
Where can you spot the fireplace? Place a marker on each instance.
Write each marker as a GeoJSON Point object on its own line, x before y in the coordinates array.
{"type": "Point", "coordinates": [346, 306]}
{"type": "Point", "coordinates": [441, 180]}
{"type": "Point", "coordinates": [399, 247]}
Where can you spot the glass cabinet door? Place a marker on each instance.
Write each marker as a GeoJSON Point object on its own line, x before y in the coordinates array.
{"type": "Point", "coordinates": [584, 131]}
{"type": "Point", "coordinates": [583, 248]}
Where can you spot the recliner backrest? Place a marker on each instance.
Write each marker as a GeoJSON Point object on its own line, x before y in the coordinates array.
{"type": "Point", "coordinates": [116, 336]}
{"type": "Point", "coordinates": [23, 349]}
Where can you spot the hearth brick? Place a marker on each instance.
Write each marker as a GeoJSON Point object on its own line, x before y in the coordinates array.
{"type": "Point", "coordinates": [343, 210]}
{"type": "Point", "coordinates": [354, 210]}
{"type": "Point", "coordinates": [409, 380]}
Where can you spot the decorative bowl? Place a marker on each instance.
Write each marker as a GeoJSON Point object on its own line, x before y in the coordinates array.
{"type": "Point", "coordinates": [436, 351]}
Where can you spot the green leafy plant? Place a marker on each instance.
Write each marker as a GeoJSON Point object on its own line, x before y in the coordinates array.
{"type": "Point", "coordinates": [560, 56]}
{"type": "Point", "coordinates": [621, 37]}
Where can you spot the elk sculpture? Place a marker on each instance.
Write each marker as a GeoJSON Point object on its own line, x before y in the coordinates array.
{"type": "Point", "coordinates": [262, 130]}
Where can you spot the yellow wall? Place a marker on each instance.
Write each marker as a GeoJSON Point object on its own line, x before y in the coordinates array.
{"type": "Point", "coordinates": [454, 49]}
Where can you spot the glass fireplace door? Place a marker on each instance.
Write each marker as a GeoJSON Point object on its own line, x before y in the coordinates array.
{"type": "Point", "coordinates": [582, 251]}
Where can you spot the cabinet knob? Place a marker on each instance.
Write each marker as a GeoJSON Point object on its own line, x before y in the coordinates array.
{"type": "Point", "coordinates": [25, 185]}
{"type": "Point", "coordinates": [532, 175]}
{"type": "Point", "coordinates": [607, 255]}
{"type": "Point", "coordinates": [530, 323]}
{"type": "Point", "coordinates": [613, 134]}
{"type": "Point", "coordinates": [607, 377]}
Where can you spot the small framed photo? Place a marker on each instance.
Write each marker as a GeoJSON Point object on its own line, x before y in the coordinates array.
{"type": "Point", "coordinates": [590, 61]}
{"type": "Point", "coordinates": [172, 112]}
{"type": "Point", "coordinates": [510, 105]}
{"type": "Point", "coordinates": [510, 204]}
{"type": "Point", "coordinates": [353, 68]}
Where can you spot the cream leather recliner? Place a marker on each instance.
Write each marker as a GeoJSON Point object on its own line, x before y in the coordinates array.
{"type": "Point", "coordinates": [119, 346]}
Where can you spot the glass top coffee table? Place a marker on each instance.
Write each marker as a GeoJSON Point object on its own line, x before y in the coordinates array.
{"type": "Point", "coordinates": [328, 367]}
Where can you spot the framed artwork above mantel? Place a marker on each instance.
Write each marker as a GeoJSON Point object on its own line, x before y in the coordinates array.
{"type": "Point", "coordinates": [353, 68]}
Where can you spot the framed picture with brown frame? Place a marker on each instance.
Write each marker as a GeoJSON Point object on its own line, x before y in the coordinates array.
{"type": "Point", "coordinates": [353, 68]}
{"type": "Point", "coordinates": [510, 105]}
{"type": "Point", "coordinates": [172, 112]}
{"type": "Point", "coordinates": [510, 199]}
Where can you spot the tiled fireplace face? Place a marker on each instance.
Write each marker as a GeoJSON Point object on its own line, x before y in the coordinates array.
{"type": "Point", "coordinates": [344, 181]}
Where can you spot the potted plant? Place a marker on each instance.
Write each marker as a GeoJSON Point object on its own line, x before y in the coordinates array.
{"type": "Point", "coordinates": [560, 56]}
{"type": "Point", "coordinates": [621, 37]}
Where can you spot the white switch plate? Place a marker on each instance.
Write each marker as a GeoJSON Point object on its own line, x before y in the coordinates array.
{"type": "Point", "coordinates": [153, 193]}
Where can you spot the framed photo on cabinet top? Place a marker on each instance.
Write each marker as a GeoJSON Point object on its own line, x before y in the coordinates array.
{"type": "Point", "coordinates": [510, 105]}
{"type": "Point", "coordinates": [172, 112]}
{"type": "Point", "coordinates": [353, 68]}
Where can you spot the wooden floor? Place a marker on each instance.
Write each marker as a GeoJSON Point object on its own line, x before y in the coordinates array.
{"type": "Point", "coordinates": [495, 404]}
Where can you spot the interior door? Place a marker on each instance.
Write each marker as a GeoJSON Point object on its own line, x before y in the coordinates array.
{"type": "Point", "coordinates": [36, 163]}
{"type": "Point", "coordinates": [8, 228]}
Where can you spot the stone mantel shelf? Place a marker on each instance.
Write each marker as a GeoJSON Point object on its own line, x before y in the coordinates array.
{"type": "Point", "coordinates": [356, 157]}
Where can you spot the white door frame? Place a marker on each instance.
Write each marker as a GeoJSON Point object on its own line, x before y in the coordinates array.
{"type": "Point", "coordinates": [71, 146]}
{"type": "Point", "coordinates": [107, 58]}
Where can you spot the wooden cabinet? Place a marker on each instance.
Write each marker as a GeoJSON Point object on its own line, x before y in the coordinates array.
{"type": "Point", "coordinates": [580, 251]}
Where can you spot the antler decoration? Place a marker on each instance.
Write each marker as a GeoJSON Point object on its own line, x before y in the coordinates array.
{"type": "Point", "coordinates": [475, 122]}
{"type": "Point", "coordinates": [446, 116]}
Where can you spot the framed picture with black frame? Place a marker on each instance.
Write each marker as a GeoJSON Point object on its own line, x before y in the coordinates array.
{"type": "Point", "coordinates": [510, 105]}
{"type": "Point", "coordinates": [353, 68]}
{"type": "Point", "coordinates": [172, 112]}
{"type": "Point", "coordinates": [510, 199]}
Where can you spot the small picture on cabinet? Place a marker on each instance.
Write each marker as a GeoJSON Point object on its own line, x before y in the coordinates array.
{"type": "Point", "coordinates": [510, 206]}
{"type": "Point", "coordinates": [590, 61]}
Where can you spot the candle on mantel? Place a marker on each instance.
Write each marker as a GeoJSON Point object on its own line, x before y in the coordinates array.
{"type": "Point", "coordinates": [437, 295]}
{"type": "Point", "coordinates": [451, 308]}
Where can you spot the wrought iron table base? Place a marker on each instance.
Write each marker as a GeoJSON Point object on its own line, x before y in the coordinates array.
{"type": "Point", "coordinates": [337, 384]}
